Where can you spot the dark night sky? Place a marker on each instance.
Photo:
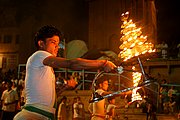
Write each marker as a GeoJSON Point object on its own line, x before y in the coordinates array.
{"type": "Point", "coordinates": [168, 18]}
{"type": "Point", "coordinates": [168, 21]}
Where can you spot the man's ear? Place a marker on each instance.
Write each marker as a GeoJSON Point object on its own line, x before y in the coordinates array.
{"type": "Point", "coordinates": [40, 43]}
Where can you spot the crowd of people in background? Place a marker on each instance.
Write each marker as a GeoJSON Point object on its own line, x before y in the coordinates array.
{"type": "Point", "coordinates": [164, 51]}
{"type": "Point", "coordinates": [168, 97]}
{"type": "Point", "coordinates": [10, 82]}
{"type": "Point", "coordinates": [73, 110]}
{"type": "Point", "coordinates": [12, 94]}
{"type": "Point", "coordinates": [13, 97]}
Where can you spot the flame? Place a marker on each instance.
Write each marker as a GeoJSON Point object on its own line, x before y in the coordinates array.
{"type": "Point", "coordinates": [133, 44]}
{"type": "Point", "coordinates": [136, 79]}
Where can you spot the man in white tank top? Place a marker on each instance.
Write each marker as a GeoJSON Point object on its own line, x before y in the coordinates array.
{"type": "Point", "coordinates": [40, 78]}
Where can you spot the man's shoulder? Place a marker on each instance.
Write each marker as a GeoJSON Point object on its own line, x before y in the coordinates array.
{"type": "Point", "coordinates": [37, 56]}
{"type": "Point", "coordinates": [75, 105]}
{"type": "Point", "coordinates": [41, 52]}
{"type": "Point", "coordinates": [5, 91]}
{"type": "Point", "coordinates": [101, 90]}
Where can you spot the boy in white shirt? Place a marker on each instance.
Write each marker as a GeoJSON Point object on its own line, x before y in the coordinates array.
{"type": "Point", "coordinates": [40, 77]}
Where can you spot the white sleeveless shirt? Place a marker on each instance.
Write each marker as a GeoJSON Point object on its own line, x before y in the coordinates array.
{"type": "Point", "coordinates": [39, 81]}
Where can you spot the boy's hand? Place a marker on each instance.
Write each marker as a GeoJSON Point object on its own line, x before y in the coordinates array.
{"type": "Point", "coordinates": [108, 66]}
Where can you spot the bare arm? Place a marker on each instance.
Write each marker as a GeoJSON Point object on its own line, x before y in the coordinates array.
{"type": "Point", "coordinates": [106, 93]}
{"type": "Point", "coordinates": [78, 63]}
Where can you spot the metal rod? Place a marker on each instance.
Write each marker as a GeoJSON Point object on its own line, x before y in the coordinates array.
{"type": "Point", "coordinates": [142, 69]}
{"type": "Point", "coordinates": [96, 99]}
{"type": "Point", "coordinates": [94, 80]}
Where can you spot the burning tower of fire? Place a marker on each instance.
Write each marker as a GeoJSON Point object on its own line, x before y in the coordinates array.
{"type": "Point", "coordinates": [133, 44]}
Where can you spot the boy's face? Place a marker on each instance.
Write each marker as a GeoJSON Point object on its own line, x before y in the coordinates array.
{"type": "Point", "coordinates": [51, 45]}
{"type": "Point", "coordinates": [104, 85]}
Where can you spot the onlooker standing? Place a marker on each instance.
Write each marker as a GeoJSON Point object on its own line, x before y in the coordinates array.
{"type": "Point", "coordinates": [9, 100]}
{"type": "Point", "coordinates": [78, 108]}
{"type": "Point", "coordinates": [72, 108]}
{"type": "Point", "coordinates": [150, 109]}
{"type": "Point", "coordinates": [178, 46]}
{"type": "Point", "coordinates": [62, 109]}
{"type": "Point", "coordinates": [165, 100]}
{"type": "Point", "coordinates": [164, 47]}
{"type": "Point", "coordinates": [172, 103]}
{"type": "Point", "coordinates": [2, 87]}
{"type": "Point", "coordinates": [171, 91]}
{"type": "Point", "coordinates": [110, 111]}
{"type": "Point", "coordinates": [158, 50]}
{"type": "Point", "coordinates": [162, 93]}
{"type": "Point", "coordinates": [21, 81]}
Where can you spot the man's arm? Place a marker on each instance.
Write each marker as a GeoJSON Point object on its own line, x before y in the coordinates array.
{"type": "Point", "coordinates": [90, 108]}
{"type": "Point", "coordinates": [106, 93]}
{"type": "Point", "coordinates": [110, 112]}
{"type": "Point", "coordinates": [78, 63]}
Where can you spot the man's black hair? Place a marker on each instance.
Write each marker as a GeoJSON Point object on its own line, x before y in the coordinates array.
{"type": "Point", "coordinates": [101, 79]}
{"type": "Point", "coordinates": [9, 81]}
{"type": "Point", "coordinates": [64, 98]}
{"type": "Point", "coordinates": [45, 32]}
